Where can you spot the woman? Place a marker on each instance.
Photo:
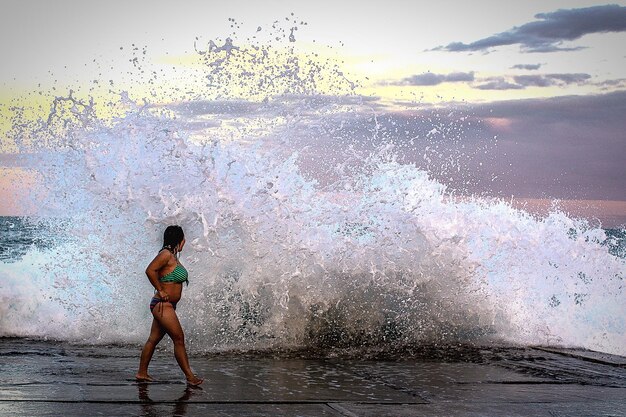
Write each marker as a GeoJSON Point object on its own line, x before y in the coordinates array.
{"type": "Point", "coordinates": [167, 275]}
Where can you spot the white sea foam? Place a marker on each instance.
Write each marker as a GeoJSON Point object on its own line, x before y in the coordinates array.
{"type": "Point", "coordinates": [277, 262]}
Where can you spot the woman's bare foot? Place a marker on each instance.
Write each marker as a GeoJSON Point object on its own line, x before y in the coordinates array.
{"type": "Point", "coordinates": [195, 381]}
{"type": "Point", "coordinates": [143, 378]}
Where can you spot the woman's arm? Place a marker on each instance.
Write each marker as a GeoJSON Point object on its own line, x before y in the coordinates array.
{"type": "Point", "coordinates": [152, 271]}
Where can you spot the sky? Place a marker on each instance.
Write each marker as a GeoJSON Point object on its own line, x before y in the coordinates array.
{"type": "Point", "coordinates": [548, 78]}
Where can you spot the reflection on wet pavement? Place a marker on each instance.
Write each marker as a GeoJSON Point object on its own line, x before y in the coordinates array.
{"type": "Point", "coordinates": [50, 378]}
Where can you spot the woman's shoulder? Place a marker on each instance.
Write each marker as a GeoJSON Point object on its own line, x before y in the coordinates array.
{"type": "Point", "coordinates": [165, 255]}
{"type": "Point", "coordinates": [161, 260]}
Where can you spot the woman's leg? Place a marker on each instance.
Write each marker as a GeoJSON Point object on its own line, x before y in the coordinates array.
{"type": "Point", "coordinates": [166, 316]}
{"type": "Point", "coordinates": [156, 334]}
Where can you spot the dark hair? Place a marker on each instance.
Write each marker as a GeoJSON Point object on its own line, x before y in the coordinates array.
{"type": "Point", "coordinates": [172, 236]}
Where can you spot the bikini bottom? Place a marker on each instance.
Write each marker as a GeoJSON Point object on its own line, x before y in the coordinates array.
{"type": "Point", "coordinates": [156, 300]}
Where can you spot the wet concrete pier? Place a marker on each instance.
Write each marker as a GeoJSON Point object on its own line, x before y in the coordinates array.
{"type": "Point", "coordinates": [39, 378]}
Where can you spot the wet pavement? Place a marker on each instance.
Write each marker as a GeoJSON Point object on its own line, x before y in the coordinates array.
{"type": "Point", "coordinates": [39, 378]}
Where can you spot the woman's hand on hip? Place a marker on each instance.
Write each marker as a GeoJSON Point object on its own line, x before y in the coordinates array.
{"type": "Point", "coordinates": [163, 295]}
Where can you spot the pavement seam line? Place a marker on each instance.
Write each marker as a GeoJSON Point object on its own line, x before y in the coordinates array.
{"type": "Point", "coordinates": [344, 412]}
{"type": "Point", "coordinates": [204, 402]}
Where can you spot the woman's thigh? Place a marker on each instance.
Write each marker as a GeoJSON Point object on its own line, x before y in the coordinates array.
{"type": "Point", "coordinates": [156, 331]}
{"type": "Point", "coordinates": [168, 320]}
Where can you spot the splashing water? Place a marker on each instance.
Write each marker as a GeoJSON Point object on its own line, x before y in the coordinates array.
{"type": "Point", "coordinates": [306, 226]}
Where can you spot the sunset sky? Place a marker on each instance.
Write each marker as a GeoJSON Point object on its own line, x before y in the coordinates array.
{"type": "Point", "coordinates": [548, 78]}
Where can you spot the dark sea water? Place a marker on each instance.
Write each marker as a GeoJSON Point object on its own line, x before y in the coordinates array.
{"type": "Point", "coordinates": [18, 235]}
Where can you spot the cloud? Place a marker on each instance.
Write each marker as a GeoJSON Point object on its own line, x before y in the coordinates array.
{"type": "Point", "coordinates": [207, 107]}
{"type": "Point", "coordinates": [276, 106]}
{"type": "Point", "coordinates": [615, 82]}
{"type": "Point", "coordinates": [498, 83]}
{"type": "Point", "coordinates": [576, 78]}
{"type": "Point", "coordinates": [459, 76]}
{"type": "Point", "coordinates": [568, 147]}
{"type": "Point", "coordinates": [549, 32]}
{"type": "Point", "coordinates": [619, 83]}
{"type": "Point", "coordinates": [530, 67]}
{"type": "Point", "coordinates": [549, 80]}
{"type": "Point", "coordinates": [519, 82]}
{"type": "Point", "coordinates": [430, 79]}
{"type": "Point", "coordinates": [583, 109]}
{"type": "Point", "coordinates": [533, 81]}
{"type": "Point", "coordinates": [562, 147]}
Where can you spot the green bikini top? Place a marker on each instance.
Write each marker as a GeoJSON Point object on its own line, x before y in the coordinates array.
{"type": "Point", "coordinates": [179, 275]}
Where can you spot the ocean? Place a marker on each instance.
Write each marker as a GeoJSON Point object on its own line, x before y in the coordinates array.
{"type": "Point", "coordinates": [317, 219]}
{"type": "Point", "coordinates": [55, 290]}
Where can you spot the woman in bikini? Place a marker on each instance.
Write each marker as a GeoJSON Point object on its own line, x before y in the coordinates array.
{"type": "Point", "coordinates": [167, 275]}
